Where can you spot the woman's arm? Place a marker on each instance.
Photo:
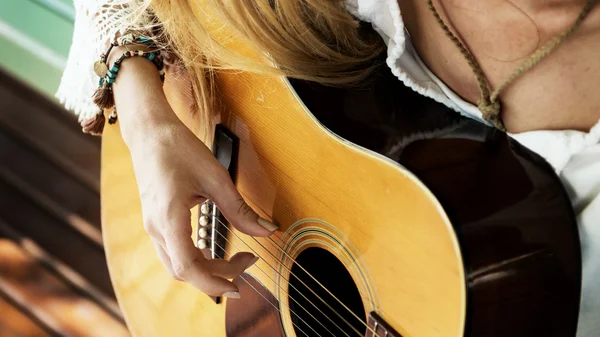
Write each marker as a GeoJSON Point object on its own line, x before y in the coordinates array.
{"type": "Point", "coordinates": [174, 170]}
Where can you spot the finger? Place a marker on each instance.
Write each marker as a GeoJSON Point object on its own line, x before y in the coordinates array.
{"type": "Point", "coordinates": [165, 259]}
{"type": "Point", "coordinates": [232, 268]}
{"type": "Point", "coordinates": [188, 262]}
{"type": "Point", "coordinates": [237, 211]}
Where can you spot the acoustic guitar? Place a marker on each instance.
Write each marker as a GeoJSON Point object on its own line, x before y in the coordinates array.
{"type": "Point", "coordinates": [397, 217]}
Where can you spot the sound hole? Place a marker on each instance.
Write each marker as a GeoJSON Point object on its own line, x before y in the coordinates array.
{"type": "Point", "coordinates": [310, 315]}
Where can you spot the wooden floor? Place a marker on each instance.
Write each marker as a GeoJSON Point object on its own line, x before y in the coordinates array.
{"type": "Point", "coordinates": [53, 275]}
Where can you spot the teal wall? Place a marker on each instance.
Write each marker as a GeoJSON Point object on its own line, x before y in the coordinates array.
{"type": "Point", "coordinates": [35, 36]}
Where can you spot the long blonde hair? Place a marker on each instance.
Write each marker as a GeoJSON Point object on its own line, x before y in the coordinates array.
{"type": "Point", "coordinates": [316, 40]}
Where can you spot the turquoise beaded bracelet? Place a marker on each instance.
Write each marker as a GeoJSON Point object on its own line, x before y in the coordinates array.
{"type": "Point", "coordinates": [103, 96]}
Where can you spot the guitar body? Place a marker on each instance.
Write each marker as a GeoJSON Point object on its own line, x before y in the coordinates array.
{"type": "Point", "coordinates": [425, 225]}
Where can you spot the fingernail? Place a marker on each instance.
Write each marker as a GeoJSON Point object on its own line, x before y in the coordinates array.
{"type": "Point", "coordinates": [256, 258]}
{"type": "Point", "coordinates": [232, 294]}
{"type": "Point", "coordinates": [268, 225]}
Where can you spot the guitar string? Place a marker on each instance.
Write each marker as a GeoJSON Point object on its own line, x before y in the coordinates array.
{"type": "Point", "coordinates": [307, 273]}
{"type": "Point", "coordinates": [281, 288]}
{"type": "Point", "coordinates": [312, 277]}
{"type": "Point", "coordinates": [287, 293]}
{"type": "Point", "coordinates": [302, 282]}
{"type": "Point", "coordinates": [273, 305]}
{"type": "Point", "coordinates": [303, 269]}
{"type": "Point", "coordinates": [374, 332]}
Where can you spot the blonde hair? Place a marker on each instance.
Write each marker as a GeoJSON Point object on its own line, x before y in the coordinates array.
{"type": "Point", "coordinates": [317, 40]}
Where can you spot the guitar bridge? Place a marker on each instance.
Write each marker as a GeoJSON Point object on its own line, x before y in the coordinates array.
{"type": "Point", "coordinates": [212, 231]}
{"type": "Point", "coordinates": [211, 236]}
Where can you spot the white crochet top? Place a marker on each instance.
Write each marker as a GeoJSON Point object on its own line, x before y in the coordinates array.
{"type": "Point", "coordinates": [97, 22]}
{"type": "Point", "coordinates": [574, 155]}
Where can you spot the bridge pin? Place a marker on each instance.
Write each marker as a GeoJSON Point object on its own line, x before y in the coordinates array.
{"type": "Point", "coordinates": [202, 232]}
{"type": "Point", "coordinates": [203, 221]}
{"type": "Point", "coordinates": [205, 208]}
{"type": "Point", "coordinates": [202, 244]}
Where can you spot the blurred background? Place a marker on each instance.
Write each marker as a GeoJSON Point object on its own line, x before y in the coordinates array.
{"type": "Point", "coordinates": [53, 275]}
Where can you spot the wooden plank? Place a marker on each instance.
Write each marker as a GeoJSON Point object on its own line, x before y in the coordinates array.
{"type": "Point", "coordinates": [26, 282]}
{"type": "Point", "coordinates": [49, 180]}
{"type": "Point", "coordinates": [54, 236]}
{"type": "Point", "coordinates": [59, 142]}
{"type": "Point", "coordinates": [62, 271]}
{"type": "Point", "coordinates": [14, 323]}
{"type": "Point", "coordinates": [25, 92]}
{"type": "Point", "coordinates": [73, 220]}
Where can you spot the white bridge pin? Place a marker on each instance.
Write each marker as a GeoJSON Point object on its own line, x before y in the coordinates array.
{"type": "Point", "coordinates": [202, 232]}
{"type": "Point", "coordinates": [203, 221]}
{"type": "Point", "coordinates": [205, 209]}
{"type": "Point", "coordinates": [202, 244]}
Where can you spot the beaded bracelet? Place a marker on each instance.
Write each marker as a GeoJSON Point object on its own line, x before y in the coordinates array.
{"type": "Point", "coordinates": [103, 96]}
{"type": "Point", "coordinates": [101, 66]}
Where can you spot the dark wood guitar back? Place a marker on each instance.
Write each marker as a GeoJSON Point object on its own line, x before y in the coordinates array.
{"type": "Point", "coordinates": [512, 216]}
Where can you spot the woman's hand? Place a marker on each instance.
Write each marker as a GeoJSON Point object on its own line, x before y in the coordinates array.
{"type": "Point", "coordinates": [175, 171]}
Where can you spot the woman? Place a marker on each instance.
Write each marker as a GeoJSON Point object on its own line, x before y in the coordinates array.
{"type": "Point", "coordinates": [459, 53]}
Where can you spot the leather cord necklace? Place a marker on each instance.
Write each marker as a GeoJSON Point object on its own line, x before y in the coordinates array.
{"type": "Point", "coordinates": [489, 103]}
